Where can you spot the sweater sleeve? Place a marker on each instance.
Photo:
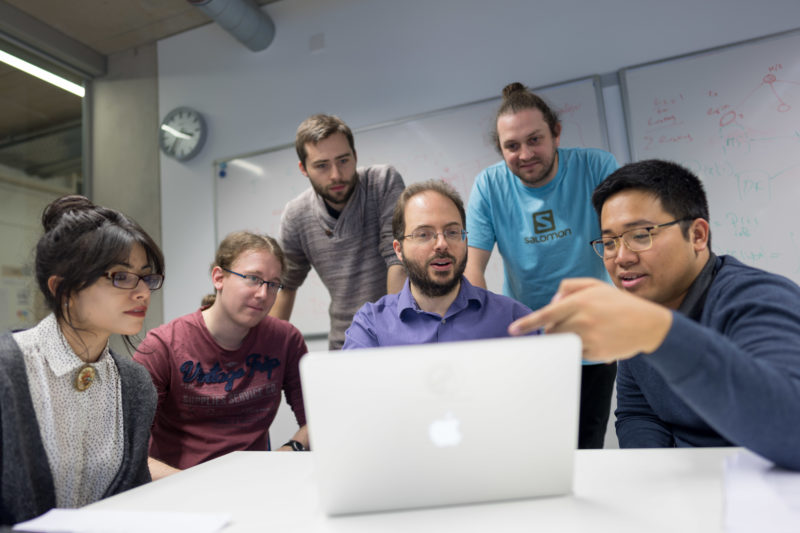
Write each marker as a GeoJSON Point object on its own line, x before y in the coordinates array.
{"type": "Point", "coordinates": [393, 188]}
{"type": "Point", "coordinates": [297, 263]}
{"type": "Point", "coordinates": [153, 353]}
{"type": "Point", "coordinates": [637, 424]}
{"type": "Point", "coordinates": [740, 368]}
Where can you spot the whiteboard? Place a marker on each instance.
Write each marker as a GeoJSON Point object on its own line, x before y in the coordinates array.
{"type": "Point", "coordinates": [731, 115]}
{"type": "Point", "coordinates": [452, 144]}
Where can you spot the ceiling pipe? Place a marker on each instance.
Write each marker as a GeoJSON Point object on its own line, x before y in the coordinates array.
{"type": "Point", "coordinates": [241, 18]}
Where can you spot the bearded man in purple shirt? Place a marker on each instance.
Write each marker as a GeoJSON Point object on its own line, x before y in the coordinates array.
{"type": "Point", "coordinates": [437, 303]}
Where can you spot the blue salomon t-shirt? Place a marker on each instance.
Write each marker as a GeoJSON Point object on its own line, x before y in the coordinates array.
{"type": "Point", "coordinates": [542, 233]}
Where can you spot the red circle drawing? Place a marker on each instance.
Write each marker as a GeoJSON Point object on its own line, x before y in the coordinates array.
{"type": "Point", "coordinates": [727, 118]}
{"type": "Point", "coordinates": [769, 78]}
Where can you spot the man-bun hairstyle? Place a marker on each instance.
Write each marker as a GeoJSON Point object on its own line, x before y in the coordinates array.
{"type": "Point", "coordinates": [516, 98]}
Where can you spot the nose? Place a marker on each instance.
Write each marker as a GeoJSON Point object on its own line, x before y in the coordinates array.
{"type": "Point", "coordinates": [263, 291]}
{"type": "Point", "coordinates": [625, 256]}
{"type": "Point", "coordinates": [141, 290]}
{"type": "Point", "coordinates": [525, 152]}
{"type": "Point", "coordinates": [439, 242]}
{"type": "Point", "coordinates": [336, 173]}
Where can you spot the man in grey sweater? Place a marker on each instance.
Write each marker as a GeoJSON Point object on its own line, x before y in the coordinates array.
{"type": "Point", "coordinates": [342, 225]}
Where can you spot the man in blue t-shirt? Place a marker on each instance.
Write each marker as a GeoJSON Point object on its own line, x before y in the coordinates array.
{"type": "Point", "coordinates": [536, 205]}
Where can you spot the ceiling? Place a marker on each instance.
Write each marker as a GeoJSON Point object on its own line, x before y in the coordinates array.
{"type": "Point", "coordinates": [40, 124]}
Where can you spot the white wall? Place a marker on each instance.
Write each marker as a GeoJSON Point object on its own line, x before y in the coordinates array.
{"type": "Point", "coordinates": [384, 59]}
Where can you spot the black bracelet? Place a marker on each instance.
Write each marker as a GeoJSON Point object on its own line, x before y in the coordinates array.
{"type": "Point", "coordinates": [295, 445]}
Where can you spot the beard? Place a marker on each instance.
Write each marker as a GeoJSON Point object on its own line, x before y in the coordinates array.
{"type": "Point", "coordinates": [428, 285]}
{"type": "Point", "coordinates": [339, 197]}
{"type": "Point", "coordinates": [542, 177]}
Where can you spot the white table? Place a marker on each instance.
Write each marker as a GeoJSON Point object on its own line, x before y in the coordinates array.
{"type": "Point", "coordinates": [615, 491]}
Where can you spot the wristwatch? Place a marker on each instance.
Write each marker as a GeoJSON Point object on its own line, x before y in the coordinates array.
{"type": "Point", "coordinates": [295, 445]}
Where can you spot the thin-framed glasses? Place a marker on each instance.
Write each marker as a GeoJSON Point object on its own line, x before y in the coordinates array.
{"type": "Point", "coordinates": [129, 280]}
{"type": "Point", "coordinates": [635, 240]}
{"type": "Point", "coordinates": [423, 235]}
{"type": "Point", "coordinates": [255, 282]}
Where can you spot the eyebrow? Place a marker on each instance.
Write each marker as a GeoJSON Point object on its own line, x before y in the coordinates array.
{"type": "Point", "coordinates": [148, 266]}
{"type": "Point", "coordinates": [632, 225]}
{"type": "Point", "coordinates": [346, 154]}
{"type": "Point", "coordinates": [276, 279]}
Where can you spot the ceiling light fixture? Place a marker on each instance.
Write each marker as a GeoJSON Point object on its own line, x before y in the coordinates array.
{"type": "Point", "coordinates": [42, 74]}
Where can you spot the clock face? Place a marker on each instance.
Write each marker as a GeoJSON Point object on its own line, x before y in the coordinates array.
{"type": "Point", "coordinates": [182, 133]}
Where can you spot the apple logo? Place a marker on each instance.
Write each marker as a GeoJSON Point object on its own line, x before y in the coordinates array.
{"type": "Point", "coordinates": [444, 431]}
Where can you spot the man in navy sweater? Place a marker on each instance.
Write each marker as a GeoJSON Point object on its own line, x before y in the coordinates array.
{"type": "Point", "coordinates": [708, 348]}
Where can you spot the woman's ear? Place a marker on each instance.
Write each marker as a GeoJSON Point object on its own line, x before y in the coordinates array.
{"type": "Point", "coordinates": [52, 283]}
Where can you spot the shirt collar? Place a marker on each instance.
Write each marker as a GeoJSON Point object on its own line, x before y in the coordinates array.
{"type": "Point", "coordinates": [695, 299]}
{"type": "Point", "coordinates": [57, 352]}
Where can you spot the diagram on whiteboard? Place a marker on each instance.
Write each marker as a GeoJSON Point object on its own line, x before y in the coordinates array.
{"type": "Point", "coordinates": [733, 117]}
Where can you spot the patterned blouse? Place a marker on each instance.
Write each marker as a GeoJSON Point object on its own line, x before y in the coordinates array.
{"type": "Point", "coordinates": [81, 430]}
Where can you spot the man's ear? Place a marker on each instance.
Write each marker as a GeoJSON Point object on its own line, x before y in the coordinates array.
{"type": "Point", "coordinates": [699, 233]}
{"type": "Point", "coordinates": [217, 275]}
{"type": "Point", "coordinates": [302, 168]}
{"type": "Point", "coordinates": [398, 249]}
{"type": "Point", "coordinates": [557, 136]}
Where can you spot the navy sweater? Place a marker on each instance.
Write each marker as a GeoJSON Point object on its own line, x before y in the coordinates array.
{"type": "Point", "coordinates": [726, 374]}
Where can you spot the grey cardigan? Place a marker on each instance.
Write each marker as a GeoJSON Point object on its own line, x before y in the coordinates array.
{"type": "Point", "coordinates": [27, 490]}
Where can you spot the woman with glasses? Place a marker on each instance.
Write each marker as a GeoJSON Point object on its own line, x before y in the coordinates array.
{"type": "Point", "coordinates": [220, 370]}
{"type": "Point", "coordinates": [75, 416]}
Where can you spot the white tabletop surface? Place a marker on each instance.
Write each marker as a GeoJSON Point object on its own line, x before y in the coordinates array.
{"type": "Point", "coordinates": [615, 491]}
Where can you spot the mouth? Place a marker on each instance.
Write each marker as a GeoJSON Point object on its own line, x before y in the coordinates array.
{"type": "Point", "coordinates": [138, 312]}
{"type": "Point", "coordinates": [630, 280]}
{"type": "Point", "coordinates": [441, 264]}
{"type": "Point", "coordinates": [337, 188]}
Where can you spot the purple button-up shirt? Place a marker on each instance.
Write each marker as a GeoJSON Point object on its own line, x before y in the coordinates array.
{"type": "Point", "coordinates": [396, 319]}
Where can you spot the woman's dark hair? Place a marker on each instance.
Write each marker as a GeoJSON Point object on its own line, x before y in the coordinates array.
{"type": "Point", "coordinates": [81, 242]}
{"type": "Point", "coordinates": [516, 98]}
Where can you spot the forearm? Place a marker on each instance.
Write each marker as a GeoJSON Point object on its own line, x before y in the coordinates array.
{"type": "Point", "coordinates": [300, 436]}
{"type": "Point", "coordinates": [751, 399]}
{"type": "Point", "coordinates": [159, 469]}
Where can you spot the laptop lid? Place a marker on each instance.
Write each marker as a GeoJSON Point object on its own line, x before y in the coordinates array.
{"type": "Point", "coordinates": [440, 424]}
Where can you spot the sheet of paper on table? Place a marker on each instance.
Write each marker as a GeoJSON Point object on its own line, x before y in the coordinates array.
{"type": "Point", "coordinates": [760, 496]}
{"type": "Point", "coordinates": [88, 521]}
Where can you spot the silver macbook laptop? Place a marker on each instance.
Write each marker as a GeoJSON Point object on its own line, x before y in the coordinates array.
{"type": "Point", "coordinates": [441, 424]}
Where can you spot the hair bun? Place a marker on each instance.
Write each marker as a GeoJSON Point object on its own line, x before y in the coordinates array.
{"type": "Point", "coordinates": [58, 208]}
{"type": "Point", "coordinates": [512, 88]}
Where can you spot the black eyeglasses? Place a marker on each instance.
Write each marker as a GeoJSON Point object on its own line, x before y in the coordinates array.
{"type": "Point", "coordinates": [256, 282]}
{"type": "Point", "coordinates": [635, 240]}
{"type": "Point", "coordinates": [423, 235]}
{"type": "Point", "coordinates": [129, 280]}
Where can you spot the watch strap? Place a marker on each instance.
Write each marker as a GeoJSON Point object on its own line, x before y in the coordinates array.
{"type": "Point", "coordinates": [295, 445]}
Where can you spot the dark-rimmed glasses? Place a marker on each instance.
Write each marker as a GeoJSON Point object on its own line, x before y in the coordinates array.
{"type": "Point", "coordinates": [129, 280]}
{"type": "Point", "coordinates": [422, 235]}
{"type": "Point", "coordinates": [255, 282]}
{"type": "Point", "coordinates": [635, 240]}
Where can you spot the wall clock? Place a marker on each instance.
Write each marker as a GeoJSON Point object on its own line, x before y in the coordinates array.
{"type": "Point", "coordinates": [182, 133]}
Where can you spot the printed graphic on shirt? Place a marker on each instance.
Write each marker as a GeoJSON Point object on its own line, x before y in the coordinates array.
{"type": "Point", "coordinates": [193, 371]}
{"type": "Point", "coordinates": [544, 227]}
